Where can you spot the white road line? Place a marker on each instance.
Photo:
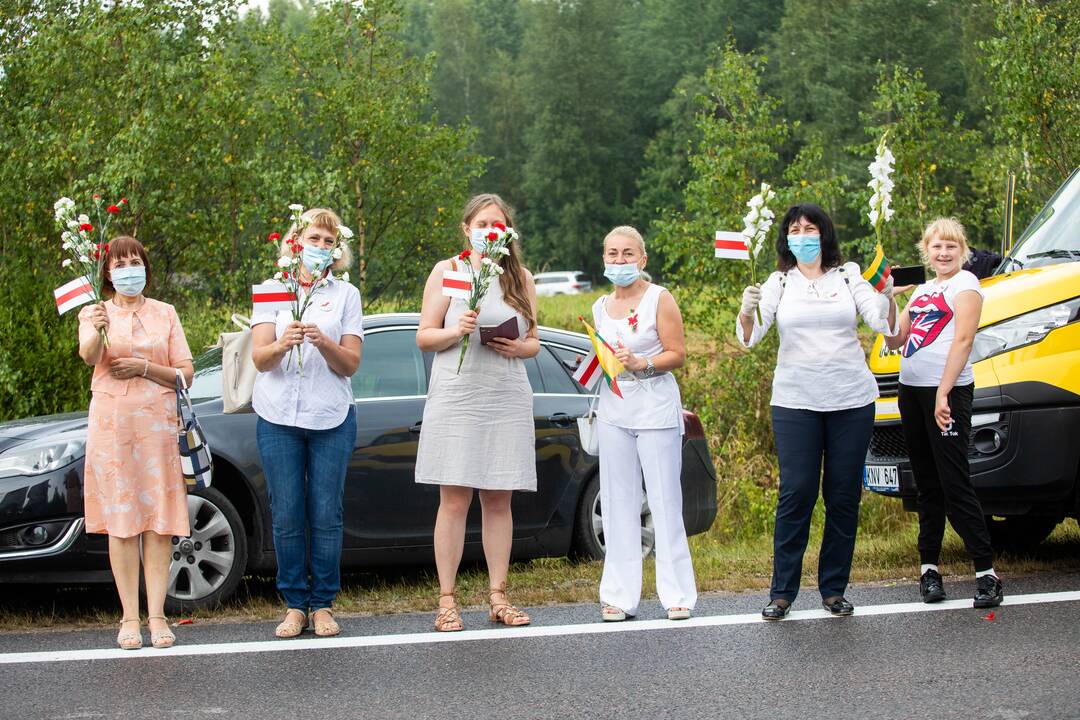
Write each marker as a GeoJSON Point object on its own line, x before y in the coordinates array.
{"type": "Point", "coordinates": [595, 628]}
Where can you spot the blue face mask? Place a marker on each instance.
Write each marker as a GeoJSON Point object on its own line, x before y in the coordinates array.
{"type": "Point", "coordinates": [316, 259]}
{"type": "Point", "coordinates": [129, 281]}
{"type": "Point", "coordinates": [805, 248]}
{"type": "Point", "coordinates": [478, 238]}
{"type": "Point", "coordinates": [622, 275]}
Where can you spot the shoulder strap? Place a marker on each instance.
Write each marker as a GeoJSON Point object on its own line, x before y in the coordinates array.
{"type": "Point", "coordinates": [453, 264]}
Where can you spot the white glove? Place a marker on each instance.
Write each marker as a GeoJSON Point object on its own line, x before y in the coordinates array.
{"type": "Point", "coordinates": [751, 296]}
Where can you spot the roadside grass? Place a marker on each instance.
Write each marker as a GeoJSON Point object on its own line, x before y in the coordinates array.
{"type": "Point", "coordinates": [729, 389]}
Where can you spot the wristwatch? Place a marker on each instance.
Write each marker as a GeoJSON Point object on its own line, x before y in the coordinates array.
{"type": "Point", "coordinates": [650, 369]}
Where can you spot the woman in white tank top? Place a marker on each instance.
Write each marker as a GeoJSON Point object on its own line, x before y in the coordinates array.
{"type": "Point", "coordinates": [640, 434]}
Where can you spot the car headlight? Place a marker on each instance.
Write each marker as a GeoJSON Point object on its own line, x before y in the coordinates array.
{"type": "Point", "coordinates": [1023, 329]}
{"type": "Point", "coordinates": [41, 456]}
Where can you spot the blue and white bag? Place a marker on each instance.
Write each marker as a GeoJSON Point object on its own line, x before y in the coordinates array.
{"type": "Point", "coordinates": [195, 460]}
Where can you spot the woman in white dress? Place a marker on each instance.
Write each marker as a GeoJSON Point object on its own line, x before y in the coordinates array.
{"type": "Point", "coordinates": [640, 434]}
{"type": "Point", "coordinates": [477, 431]}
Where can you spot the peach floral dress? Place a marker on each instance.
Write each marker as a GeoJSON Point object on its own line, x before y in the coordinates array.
{"type": "Point", "coordinates": [133, 482]}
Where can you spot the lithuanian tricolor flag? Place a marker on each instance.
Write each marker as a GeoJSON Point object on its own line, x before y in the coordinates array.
{"type": "Point", "coordinates": [878, 271]}
{"type": "Point", "coordinates": [605, 355]}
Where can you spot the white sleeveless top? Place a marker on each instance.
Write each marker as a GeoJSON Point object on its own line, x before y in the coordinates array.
{"type": "Point", "coordinates": [646, 403]}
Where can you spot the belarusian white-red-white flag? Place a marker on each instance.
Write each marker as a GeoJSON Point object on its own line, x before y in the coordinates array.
{"type": "Point", "coordinates": [73, 294]}
{"type": "Point", "coordinates": [272, 296]}
{"type": "Point", "coordinates": [456, 284]}
{"type": "Point", "coordinates": [589, 371]}
{"type": "Point", "coordinates": [731, 246]}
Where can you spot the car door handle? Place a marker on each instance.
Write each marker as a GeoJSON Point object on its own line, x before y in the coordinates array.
{"type": "Point", "coordinates": [416, 428]}
{"type": "Point", "coordinates": [561, 419]}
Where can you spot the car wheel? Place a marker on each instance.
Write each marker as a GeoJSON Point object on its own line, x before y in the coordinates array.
{"type": "Point", "coordinates": [589, 528]}
{"type": "Point", "coordinates": [1019, 533]}
{"type": "Point", "coordinates": [207, 567]}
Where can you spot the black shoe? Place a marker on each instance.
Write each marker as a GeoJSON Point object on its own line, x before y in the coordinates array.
{"type": "Point", "coordinates": [838, 606]}
{"type": "Point", "coordinates": [776, 610]}
{"type": "Point", "coordinates": [931, 587]}
{"type": "Point", "coordinates": [988, 592]}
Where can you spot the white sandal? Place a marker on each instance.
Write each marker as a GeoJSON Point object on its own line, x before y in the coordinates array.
{"type": "Point", "coordinates": [610, 613]}
{"type": "Point", "coordinates": [678, 613]}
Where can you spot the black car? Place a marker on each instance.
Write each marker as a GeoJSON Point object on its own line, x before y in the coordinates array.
{"type": "Point", "coordinates": [388, 517]}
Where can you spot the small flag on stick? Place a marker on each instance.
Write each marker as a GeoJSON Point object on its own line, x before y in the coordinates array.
{"type": "Point", "coordinates": [731, 246]}
{"type": "Point", "coordinates": [588, 372]}
{"type": "Point", "coordinates": [605, 358]}
{"type": "Point", "coordinates": [73, 294]}
{"type": "Point", "coordinates": [456, 284]}
{"type": "Point", "coordinates": [878, 271]}
{"type": "Point", "coordinates": [272, 296]}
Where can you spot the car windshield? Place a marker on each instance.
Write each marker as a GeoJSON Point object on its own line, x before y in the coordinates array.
{"type": "Point", "coordinates": [1054, 235]}
{"type": "Point", "coordinates": [206, 385]}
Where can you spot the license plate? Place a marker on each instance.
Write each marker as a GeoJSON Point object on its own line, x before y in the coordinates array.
{"type": "Point", "coordinates": [881, 477]}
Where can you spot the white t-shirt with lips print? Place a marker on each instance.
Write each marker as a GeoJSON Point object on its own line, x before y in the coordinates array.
{"type": "Point", "coordinates": [933, 327]}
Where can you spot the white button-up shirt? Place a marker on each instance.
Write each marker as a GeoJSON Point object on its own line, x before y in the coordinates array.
{"type": "Point", "coordinates": [820, 365]}
{"type": "Point", "coordinates": [318, 399]}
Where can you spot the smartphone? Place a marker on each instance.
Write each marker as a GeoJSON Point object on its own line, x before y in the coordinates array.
{"type": "Point", "coordinates": [908, 275]}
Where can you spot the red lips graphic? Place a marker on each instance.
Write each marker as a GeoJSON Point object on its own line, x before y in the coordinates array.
{"type": "Point", "coordinates": [929, 316]}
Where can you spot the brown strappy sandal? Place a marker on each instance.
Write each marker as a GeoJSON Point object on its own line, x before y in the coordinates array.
{"type": "Point", "coordinates": [504, 612]}
{"type": "Point", "coordinates": [449, 618]}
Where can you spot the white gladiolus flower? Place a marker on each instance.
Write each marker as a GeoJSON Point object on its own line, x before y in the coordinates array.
{"type": "Point", "coordinates": [755, 202]}
{"type": "Point", "coordinates": [66, 263]}
{"type": "Point", "coordinates": [284, 262]}
{"type": "Point", "coordinates": [336, 254]}
{"type": "Point", "coordinates": [345, 232]}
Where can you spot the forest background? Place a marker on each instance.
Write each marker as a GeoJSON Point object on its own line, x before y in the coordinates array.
{"type": "Point", "coordinates": [210, 118]}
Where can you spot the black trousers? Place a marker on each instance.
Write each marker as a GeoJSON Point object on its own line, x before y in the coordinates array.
{"type": "Point", "coordinates": [940, 463]}
{"type": "Point", "coordinates": [805, 438]}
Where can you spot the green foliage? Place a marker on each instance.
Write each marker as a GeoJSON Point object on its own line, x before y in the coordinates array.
{"type": "Point", "coordinates": [739, 131]}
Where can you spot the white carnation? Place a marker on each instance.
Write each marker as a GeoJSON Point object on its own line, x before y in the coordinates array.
{"type": "Point", "coordinates": [497, 269]}
{"type": "Point", "coordinates": [504, 250]}
{"type": "Point", "coordinates": [84, 259]}
{"type": "Point", "coordinates": [345, 276]}
{"type": "Point", "coordinates": [66, 263]}
{"type": "Point", "coordinates": [84, 219]}
{"type": "Point", "coordinates": [296, 207]}
{"type": "Point", "coordinates": [336, 254]}
{"type": "Point", "coordinates": [284, 262]}
{"type": "Point", "coordinates": [279, 276]}
{"type": "Point", "coordinates": [345, 232]}
{"type": "Point", "coordinates": [486, 261]}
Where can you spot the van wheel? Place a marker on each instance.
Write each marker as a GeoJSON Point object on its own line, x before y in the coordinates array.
{"type": "Point", "coordinates": [207, 566]}
{"type": "Point", "coordinates": [1019, 533]}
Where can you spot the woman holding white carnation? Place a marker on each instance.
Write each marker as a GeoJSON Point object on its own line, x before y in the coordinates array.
{"type": "Point", "coordinates": [478, 431]}
{"type": "Point", "coordinates": [306, 429]}
{"type": "Point", "coordinates": [822, 400]}
{"type": "Point", "coordinates": [640, 434]}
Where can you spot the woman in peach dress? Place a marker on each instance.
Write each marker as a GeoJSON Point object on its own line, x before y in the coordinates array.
{"type": "Point", "coordinates": [133, 487]}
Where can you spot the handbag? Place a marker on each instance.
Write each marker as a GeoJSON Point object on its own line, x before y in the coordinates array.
{"type": "Point", "coordinates": [237, 367]}
{"type": "Point", "coordinates": [587, 430]}
{"type": "Point", "coordinates": [195, 461]}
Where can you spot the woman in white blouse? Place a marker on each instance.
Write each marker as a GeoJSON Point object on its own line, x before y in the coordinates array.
{"type": "Point", "coordinates": [307, 424]}
{"type": "Point", "coordinates": [822, 401]}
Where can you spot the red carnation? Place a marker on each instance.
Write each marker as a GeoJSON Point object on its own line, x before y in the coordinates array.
{"type": "Point", "coordinates": [285, 274]}
{"type": "Point", "coordinates": [106, 248]}
{"type": "Point", "coordinates": [273, 237]}
{"type": "Point", "coordinates": [464, 254]}
{"type": "Point", "coordinates": [112, 209]}
{"type": "Point", "coordinates": [96, 196]}
{"type": "Point", "coordinates": [499, 226]}
{"type": "Point", "coordinates": [97, 255]}
{"type": "Point", "coordinates": [86, 227]}
{"type": "Point", "coordinates": [492, 237]}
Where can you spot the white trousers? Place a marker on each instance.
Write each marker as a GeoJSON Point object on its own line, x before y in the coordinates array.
{"type": "Point", "coordinates": [624, 456]}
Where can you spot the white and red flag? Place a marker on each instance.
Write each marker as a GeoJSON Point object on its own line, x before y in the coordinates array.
{"type": "Point", "coordinates": [731, 246]}
{"type": "Point", "coordinates": [589, 371]}
{"type": "Point", "coordinates": [456, 284]}
{"type": "Point", "coordinates": [272, 296]}
{"type": "Point", "coordinates": [73, 294]}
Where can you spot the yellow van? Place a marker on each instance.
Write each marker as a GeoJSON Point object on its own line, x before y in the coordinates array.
{"type": "Point", "coordinates": [1025, 440]}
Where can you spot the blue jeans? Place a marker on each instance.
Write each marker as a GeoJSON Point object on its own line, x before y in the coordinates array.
{"type": "Point", "coordinates": [805, 438]}
{"type": "Point", "coordinates": [305, 475]}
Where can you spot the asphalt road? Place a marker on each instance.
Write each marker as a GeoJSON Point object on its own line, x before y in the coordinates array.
{"type": "Point", "coordinates": [890, 661]}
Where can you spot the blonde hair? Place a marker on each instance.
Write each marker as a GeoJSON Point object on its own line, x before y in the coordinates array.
{"type": "Point", "coordinates": [327, 220]}
{"type": "Point", "coordinates": [948, 229]}
{"type": "Point", "coordinates": [627, 231]}
{"type": "Point", "coordinates": [513, 281]}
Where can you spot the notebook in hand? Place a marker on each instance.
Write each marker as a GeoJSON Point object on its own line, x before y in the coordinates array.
{"type": "Point", "coordinates": [507, 329]}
